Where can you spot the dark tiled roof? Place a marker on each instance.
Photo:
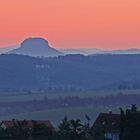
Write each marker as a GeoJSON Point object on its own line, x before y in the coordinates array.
{"type": "Point", "coordinates": [111, 122]}
{"type": "Point", "coordinates": [27, 123]}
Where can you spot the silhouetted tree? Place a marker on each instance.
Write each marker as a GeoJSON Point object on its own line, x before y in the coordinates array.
{"type": "Point", "coordinates": [64, 131]}
{"type": "Point", "coordinates": [76, 129]}
{"type": "Point", "coordinates": [130, 124]}
{"type": "Point", "coordinates": [97, 133]}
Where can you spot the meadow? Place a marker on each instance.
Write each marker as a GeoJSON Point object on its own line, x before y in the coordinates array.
{"type": "Point", "coordinates": [56, 115]}
{"type": "Point", "coordinates": [30, 96]}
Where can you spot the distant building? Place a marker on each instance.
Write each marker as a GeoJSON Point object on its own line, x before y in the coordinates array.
{"type": "Point", "coordinates": [111, 124]}
{"type": "Point", "coordinates": [26, 123]}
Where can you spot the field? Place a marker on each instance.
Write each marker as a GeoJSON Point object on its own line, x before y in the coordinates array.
{"type": "Point", "coordinates": [56, 115]}
{"type": "Point", "coordinates": [17, 96]}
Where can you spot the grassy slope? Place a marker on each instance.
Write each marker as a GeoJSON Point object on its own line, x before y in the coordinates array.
{"type": "Point", "coordinates": [39, 96]}
{"type": "Point", "coordinates": [56, 115]}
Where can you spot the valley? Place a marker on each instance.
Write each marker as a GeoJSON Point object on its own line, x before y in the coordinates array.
{"type": "Point", "coordinates": [54, 106]}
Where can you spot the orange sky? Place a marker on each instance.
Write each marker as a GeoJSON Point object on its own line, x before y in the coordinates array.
{"type": "Point", "coordinates": [108, 24]}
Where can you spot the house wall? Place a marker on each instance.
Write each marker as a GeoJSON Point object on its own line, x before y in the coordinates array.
{"type": "Point", "coordinates": [112, 136]}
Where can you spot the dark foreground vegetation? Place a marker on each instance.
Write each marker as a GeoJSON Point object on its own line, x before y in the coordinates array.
{"type": "Point", "coordinates": [74, 129]}
{"type": "Point", "coordinates": [130, 124]}
{"type": "Point", "coordinates": [67, 130]}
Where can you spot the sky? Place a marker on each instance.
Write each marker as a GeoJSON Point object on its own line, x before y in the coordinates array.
{"type": "Point", "coordinates": [104, 24]}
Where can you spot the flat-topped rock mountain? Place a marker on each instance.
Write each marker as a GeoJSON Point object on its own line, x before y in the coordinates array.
{"type": "Point", "coordinates": [36, 47]}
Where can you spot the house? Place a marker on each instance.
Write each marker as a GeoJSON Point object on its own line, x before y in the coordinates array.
{"type": "Point", "coordinates": [110, 123]}
{"type": "Point", "coordinates": [26, 123]}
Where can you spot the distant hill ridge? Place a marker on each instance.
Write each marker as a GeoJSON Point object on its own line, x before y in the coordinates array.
{"type": "Point", "coordinates": [78, 72]}
{"type": "Point", "coordinates": [93, 51]}
{"type": "Point", "coordinates": [39, 47]}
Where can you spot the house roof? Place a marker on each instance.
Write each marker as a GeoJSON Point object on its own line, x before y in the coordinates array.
{"type": "Point", "coordinates": [26, 123]}
{"type": "Point", "coordinates": [111, 122]}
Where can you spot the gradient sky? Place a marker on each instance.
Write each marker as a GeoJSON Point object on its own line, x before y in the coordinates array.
{"type": "Point", "coordinates": [107, 24]}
